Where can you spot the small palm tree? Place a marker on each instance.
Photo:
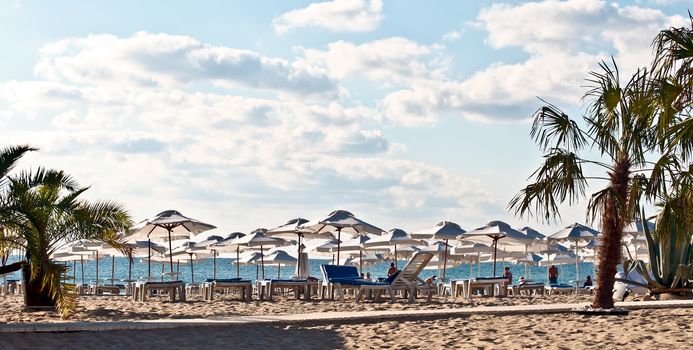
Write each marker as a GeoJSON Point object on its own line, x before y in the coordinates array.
{"type": "Point", "coordinates": [624, 128]}
{"type": "Point", "coordinates": [44, 211]}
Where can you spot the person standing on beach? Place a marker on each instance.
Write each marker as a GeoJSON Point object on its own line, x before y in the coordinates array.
{"type": "Point", "coordinates": [553, 274]}
{"type": "Point", "coordinates": [509, 275]}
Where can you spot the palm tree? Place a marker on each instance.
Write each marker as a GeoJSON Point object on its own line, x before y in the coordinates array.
{"type": "Point", "coordinates": [623, 126]}
{"type": "Point", "coordinates": [43, 211]}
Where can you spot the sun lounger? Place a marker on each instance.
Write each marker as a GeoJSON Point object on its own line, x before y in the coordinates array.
{"type": "Point", "coordinates": [174, 288]}
{"type": "Point", "coordinates": [100, 289]}
{"type": "Point", "coordinates": [527, 289]}
{"type": "Point", "coordinates": [343, 278]}
{"type": "Point", "coordinates": [298, 285]}
{"type": "Point", "coordinates": [245, 287]}
{"type": "Point", "coordinates": [560, 289]}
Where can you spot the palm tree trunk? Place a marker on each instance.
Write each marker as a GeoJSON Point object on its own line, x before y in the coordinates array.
{"type": "Point", "coordinates": [612, 223]}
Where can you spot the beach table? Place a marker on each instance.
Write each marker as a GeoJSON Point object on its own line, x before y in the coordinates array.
{"type": "Point", "coordinates": [142, 290]}
{"type": "Point", "coordinates": [267, 286]}
{"type": "Point", "coordinates": [489, 283]}
{"type": "Point", "coordinates": [245, 288]}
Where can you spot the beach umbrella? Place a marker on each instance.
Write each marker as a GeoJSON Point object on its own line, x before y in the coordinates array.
{"type": "Point", "coordinates": [575, 234]}
{"type": "Point", "coordinates": [207, 247]}
{"type": "Point", "coordinates": [294, 229]}
{"type": "Point", "coordinates": [444, 230]}
{"type": "Point", "coordinates": [228, 245]}
{"type": "Point", "coordinates": [169, 224]}
{"type": "Point", "coordinates": [469, 248]}
{"type": "Point", "coordinates": [189, 248]}
{"type": "Point", "coordinates": [341, 221]}
{"type": "Point", "coordinates": [392, 238]}
{"type": "Point", "coordinates": [280, 257]}
{"type": "Point", "coordinates": [88, 247]}
{"type": "Point", "coordinates": [257, 238]}
{"type": "Point", "coordinates": [534, 244]}
{"type": "Point", "coordinates": [355, 244]}
{"type": "Point", "coordinates": [634, 233]}
{"type": "Point", "coordinates": [491, 233]}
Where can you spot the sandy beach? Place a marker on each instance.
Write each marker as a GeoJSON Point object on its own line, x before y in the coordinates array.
{"type": "Point", "coordinates": [121, 308]}
{"type": "Point", "coordinates": [641, 329]}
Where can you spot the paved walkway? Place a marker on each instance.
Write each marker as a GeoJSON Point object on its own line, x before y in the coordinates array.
{"type": "Point", "coordinates": [327, 317]}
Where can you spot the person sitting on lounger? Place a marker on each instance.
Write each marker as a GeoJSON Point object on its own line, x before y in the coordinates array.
{"type": "Point", "coordinates": [509, 275]}
{"type": "Point", "coordinates": [522, 281]}
{"type": "Point", "coordinates": [368, 276]}
{"type": "Point", "coordinates": [553, 274]}
{"type": "Point", "coordinates": [391, 271]}
{"type": "Point", "coordinates": [429, 281]}
{"type": "Point", "coordinates": [588, 282]}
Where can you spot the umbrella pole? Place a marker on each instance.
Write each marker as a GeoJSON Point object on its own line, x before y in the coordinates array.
{"type": "Point", "coordinates": [238, 265]}
{"type": "Point", "coordinates": [361, 261]}
{"type": "Point", "coordinates": [81, 263]}
{"type": "Point", "coordinates": [339, 242]}
{"type": "Point", "coordinates": [129, 268]}
{"type": "Point", "coordinates": [74, 271]}
{"type": "Point", "coordinates": [478, 264]}
{"type": "Point", "coordinates": [526, 264]}
{"type": "Point", "coordinates": [298, 261]}
{"type": "Point", "coordinates": [162, 273]}
{"type": "Point", "coordinates": [257, 272]}
{"type": "Point", "coordinates": [149, 259]}
{"type": "Point", "coordinates": [577, 268]}
{"type": "Point", "coordinates": [262, 261]}
{"type": "Point", "coordinates": [397, 267]}
{"type": "Point", "coordinates": [445, 258]}
{"type": "Point", "coordinates": [279, 270]}
{"type": "Point", "coordinates": [170, 251]}
{"type": "Point", "coordinates": [214, 257]}
{"type": "Point", "coordinates": [495, 250]}
{"type": "Point", "coordinates": [97, 268]}
{"type": "Point", "coordinates": [112, 269]}
{"type": "Point", "coordinates": [192, 270]}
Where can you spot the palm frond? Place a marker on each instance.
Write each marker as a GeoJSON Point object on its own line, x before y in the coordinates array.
{"type": "Point", "coordinates": [560, 179]}
{"type": "Point", "coordinates": [552, 128]}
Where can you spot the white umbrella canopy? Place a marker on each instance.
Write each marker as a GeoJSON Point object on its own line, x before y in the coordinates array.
{"type": "Point", "coordinates": [393, 238]}
{"type": "Point", "coordinates": [86, 247]}
{"type": "Point", "coordinates": [532, 233]}
{"type": "Point", "coordinates": [257, 238]}
{"type": "Point", "coordinates": [494, 231]}
{"type": "Point", "coordinates": [445, 230]}
{"type": "Point", "coordinates": [341, 221]}
{"type": "Point", "coordinates": [294, 229]}
{"type": "Point", "coordinates": [636, 228]}
{"type": "Point", "coordinates": [355, 244]}
{"type": "Point", "coordinates": [169, 224]}
{"type": "Point", "coordinates": [575, 233]}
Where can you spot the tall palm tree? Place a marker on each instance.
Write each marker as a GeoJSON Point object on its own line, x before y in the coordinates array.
{"type": "Point", "coordinates": [623, 126]}
{"type": "Point", "coordinates": [42, 210]}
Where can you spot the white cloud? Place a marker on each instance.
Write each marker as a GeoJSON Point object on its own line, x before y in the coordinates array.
{"type": "Point", "coordinates": [152, 60]}
{"type": "Point", "coordinates": [336, 16]}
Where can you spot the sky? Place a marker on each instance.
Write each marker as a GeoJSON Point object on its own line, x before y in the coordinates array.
{"type": "Point", "coordinates": [247, 114]}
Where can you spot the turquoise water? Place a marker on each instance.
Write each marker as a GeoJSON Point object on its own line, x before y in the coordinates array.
{"type": "Point", "coordinates": [203, 269]}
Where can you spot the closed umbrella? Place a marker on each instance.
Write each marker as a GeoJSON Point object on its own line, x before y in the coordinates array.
{"type": "Point", "coordinates": [444, 230]}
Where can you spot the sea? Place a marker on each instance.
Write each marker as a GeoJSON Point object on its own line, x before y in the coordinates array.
{"type": "Point", "coordinates": [115, 270]}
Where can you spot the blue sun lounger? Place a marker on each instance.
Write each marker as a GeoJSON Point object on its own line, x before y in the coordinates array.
{"type": "Point", "coordinates": [344, 278]}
